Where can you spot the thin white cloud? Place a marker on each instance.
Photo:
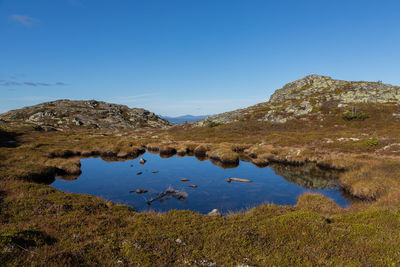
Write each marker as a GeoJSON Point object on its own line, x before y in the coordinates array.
{"type": "Point", "coordinates": [15, 83]}
{"type": "Point", "coordinates": [24, 20]}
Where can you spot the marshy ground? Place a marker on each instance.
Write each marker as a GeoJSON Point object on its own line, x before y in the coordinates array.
{"type": "Point", "coordinates": [42, 226]}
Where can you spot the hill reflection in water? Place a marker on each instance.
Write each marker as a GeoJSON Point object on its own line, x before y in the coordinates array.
{"type": "Point", "coordinates": [278, 184]}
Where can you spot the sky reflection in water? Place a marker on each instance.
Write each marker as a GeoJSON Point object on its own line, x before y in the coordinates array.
{"type": "Point", "coordinates": [114, 181]}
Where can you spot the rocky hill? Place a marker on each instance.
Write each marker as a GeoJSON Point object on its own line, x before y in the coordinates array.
{"type": "Point", "coordinates": [64, 114]}
{"type": "Point", "coordinates": [308, 96]}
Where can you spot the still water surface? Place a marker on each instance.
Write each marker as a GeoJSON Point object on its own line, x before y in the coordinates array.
{"type": "Point", "coordinates": [278, 184]}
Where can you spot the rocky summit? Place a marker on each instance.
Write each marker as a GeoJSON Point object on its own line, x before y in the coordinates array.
{"type": "Point", "coordinates": [310, 96]}
{"type": "Point", "coordinates": [64, 114]}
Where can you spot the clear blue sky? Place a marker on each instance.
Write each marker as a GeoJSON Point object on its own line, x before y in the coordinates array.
{"type": "Point", "coordinates": [178, 57]}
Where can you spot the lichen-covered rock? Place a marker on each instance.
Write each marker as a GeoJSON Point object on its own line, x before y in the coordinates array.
{"type": "Point", "coordinates": [90, 114]}
{"type": "Point", "coordinates": [325, 88]}
{"type": "Point", "coordinates": [306, 96]}
{"type": "Point", "coordinates": [222, 118]}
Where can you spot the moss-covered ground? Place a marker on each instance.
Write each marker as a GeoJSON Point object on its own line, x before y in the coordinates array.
{"type": "Point", "coordinates": [43, 226]}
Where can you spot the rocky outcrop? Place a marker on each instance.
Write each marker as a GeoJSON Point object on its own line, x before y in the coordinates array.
{"type": "Point", "coordinates": [324, 88]}
{"type": "Point", "coordinates": [64, 114]}
{"type": "Point", "coordinates": [307, 96]}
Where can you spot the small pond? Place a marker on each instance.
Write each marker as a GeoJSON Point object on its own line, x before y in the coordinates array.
{"type": "Point", "coordinates": [118, 181]}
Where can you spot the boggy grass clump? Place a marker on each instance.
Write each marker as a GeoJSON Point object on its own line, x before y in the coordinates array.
{"type": "Point", "coordinates": [201, 150]}
{"type": "Point", "coordinates": [373, 179]}
{"type": "Point", "coordinates": [71, 166]}
{"type": "Point", "coordinates": [91, 231]}
{"type": "Point", "coordinates": [154, 147]}
{"type": "Point", "coordinates": [224, 155]}
{"type": "Point", "coordinates": [167, 150]}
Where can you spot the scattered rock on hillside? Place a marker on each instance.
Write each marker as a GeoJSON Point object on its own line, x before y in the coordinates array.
{"type": "Point", "coordinates": [64, 114]}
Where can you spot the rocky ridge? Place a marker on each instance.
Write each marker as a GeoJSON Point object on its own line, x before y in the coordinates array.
{"type": "Point", "coordinates": [307, 96]}
{"type": "Point", "coordinates": [64, 114]}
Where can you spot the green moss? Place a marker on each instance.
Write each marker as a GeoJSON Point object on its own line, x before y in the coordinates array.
{"type": "Point", "coordinates": [213, 124]}
{"type": "Point", "coordinates": [372, 142]}
{"type": "Point", "coordinates": [86, 230]}
{"type": "Point", "coordinates": [338, 91]}
{"type": "Point", "coordinates": [354, 115]}
{"type": "Point", "coordinates": [23, 238]}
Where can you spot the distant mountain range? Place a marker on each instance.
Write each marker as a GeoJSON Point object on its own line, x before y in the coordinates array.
{"type": "Point", "coordinates": [182, 119]}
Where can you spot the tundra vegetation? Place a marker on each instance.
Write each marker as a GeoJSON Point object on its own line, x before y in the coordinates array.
{"type": "Point", "coordinates": [43, 226]}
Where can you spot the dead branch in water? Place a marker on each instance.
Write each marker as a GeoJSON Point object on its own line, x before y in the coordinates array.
{"type": "Point", "coordinates": [180, 195]}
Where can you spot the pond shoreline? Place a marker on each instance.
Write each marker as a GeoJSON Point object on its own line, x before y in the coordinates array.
{"type": "Point", "coordinates": [210, 177]}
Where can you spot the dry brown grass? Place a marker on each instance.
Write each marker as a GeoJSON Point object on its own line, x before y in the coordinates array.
{"type": "Point", "coordinates": [374, 179]}
{"type": "Point", "coordinates": [70, 166]}
{"type": "Point", "coordinates": [90, 231]}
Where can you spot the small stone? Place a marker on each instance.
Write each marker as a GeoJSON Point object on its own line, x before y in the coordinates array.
{"type": "Point", "coordinates": [77, 121]}
{"type": "Point", "coordinates": [154, 171]}
{"type": "Point", "coordinates": [142, 161]}
{"type": "Point", "coordinates": [193, 186]}
{"type": "Point", "coordinates": [140, 191]}
{"type": "Point", "coordinates": [185, 180]}
{"type": "Point", "coordinates": [122, 154]}
{"type": "Point", "coordinates": [139, 173]}
{"type": "Point", "coordinates": [180, 242]}
{"type": "Point", "coordinates": [214, 212]}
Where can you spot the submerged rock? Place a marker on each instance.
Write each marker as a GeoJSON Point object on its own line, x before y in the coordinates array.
{"type": "Point", "coordinates": [239, 180]}
{"type": "Point", "coordinates": [155, 172]}
{"type": "Point", "coordinates": [185, 180]}
{"type": "Point", "coordinates": [139, 191]}
{"type": "Point", "coordinates": [139, 173]}
{"type": "Point", "coordinates": [193, 186]}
